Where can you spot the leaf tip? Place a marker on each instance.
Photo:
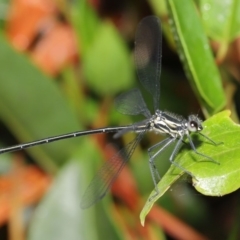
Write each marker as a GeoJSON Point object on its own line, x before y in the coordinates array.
{"type": "Point", "coordinates": [143, 221]}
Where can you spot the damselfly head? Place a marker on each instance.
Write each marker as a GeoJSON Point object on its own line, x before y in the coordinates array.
{"type": "Point", "coordinates": [194, 123]}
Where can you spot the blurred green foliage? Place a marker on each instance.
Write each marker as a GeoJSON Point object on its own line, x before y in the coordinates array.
{"type": "Point", "coordinates": [34, 106]}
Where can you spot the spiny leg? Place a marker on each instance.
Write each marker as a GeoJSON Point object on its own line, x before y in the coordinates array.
{"type": "Point", "coordinates": [210, 140]}
{"type": "Point", "coordinates": [152, 164]}
{"type": "Point", "coordinates": [153, 167]}
{"type": "Point", "coordinates": [201, 154]}
{"type": "Point", "coordinates": [174, 153]}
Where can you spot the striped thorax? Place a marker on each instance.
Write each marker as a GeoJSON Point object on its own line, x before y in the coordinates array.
{"type": "Point", "coordinates": [174, 125]}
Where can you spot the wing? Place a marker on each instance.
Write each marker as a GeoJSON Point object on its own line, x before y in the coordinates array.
{"type": "Point", "coordinates": [132, 103]}
{"type": "Point", "coordinates": [105, 177]}
{"type": "Point", "coordinates": [148, 51]}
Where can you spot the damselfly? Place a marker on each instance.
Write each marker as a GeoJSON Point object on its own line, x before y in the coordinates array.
{"type": "Point", "coordinates": [148, 43]}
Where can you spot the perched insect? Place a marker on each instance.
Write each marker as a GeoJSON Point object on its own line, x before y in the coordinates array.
{"type": "Point", "coordinates": [148, 44]}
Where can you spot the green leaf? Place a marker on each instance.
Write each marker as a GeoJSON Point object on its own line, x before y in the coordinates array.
{"type": "Point", "coordinates": [195, 53]}
{"type": "Point", "coordinates": [32, 107]}
{"type": "Point", "coordinates": [209, 178]}
{"type": "Point", "coordinates": [86, 23]}
{"type": "Point", "coordinates": [159, 7]}
{"type": "Point", "coordinates": [107, 64]}
{"type": "Point", "coordinates": [221, 19]}
{"type": "Point", "coordinates": [59, 216]}
{"type": "Point", "coordinates": [106, 61]}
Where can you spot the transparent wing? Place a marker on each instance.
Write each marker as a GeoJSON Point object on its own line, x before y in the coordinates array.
{"type": "Point", "coordinates": [105, 177]}
{"type": "Point", "coordinates": [148, 51]}
{"type": "Point", "coordinates": [132, 103]}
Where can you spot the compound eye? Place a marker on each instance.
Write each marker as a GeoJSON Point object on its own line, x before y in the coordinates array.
{"type": "Point", "coordinates": [193, 126]}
